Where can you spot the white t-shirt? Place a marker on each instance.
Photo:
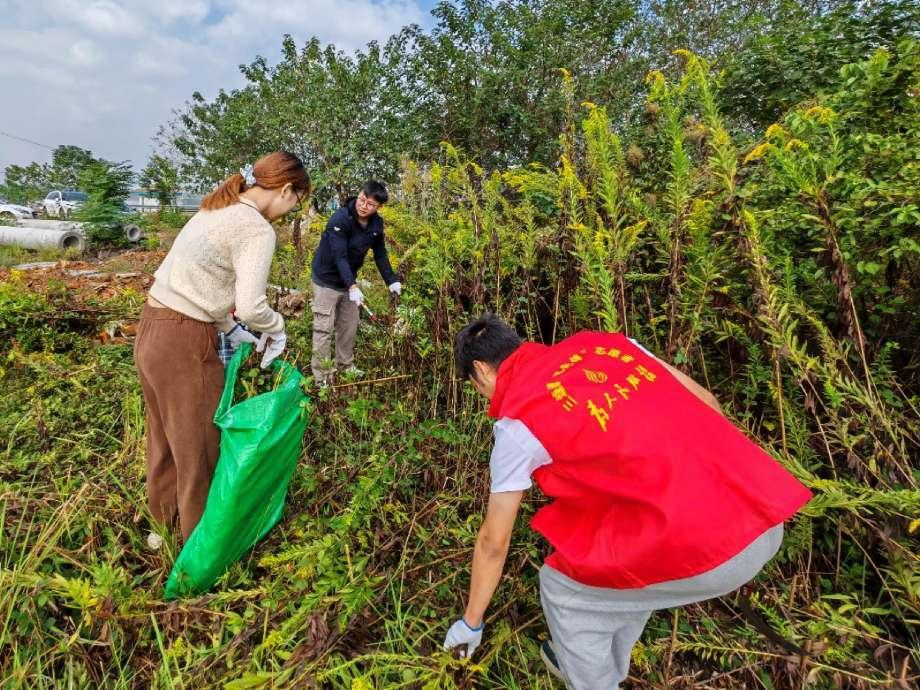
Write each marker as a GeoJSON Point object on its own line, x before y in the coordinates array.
{"type": "Point", "coordinates": [517, 453]}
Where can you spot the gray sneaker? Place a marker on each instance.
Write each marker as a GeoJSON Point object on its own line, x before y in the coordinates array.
{"type": "Point", "coordinates": [548, 654]}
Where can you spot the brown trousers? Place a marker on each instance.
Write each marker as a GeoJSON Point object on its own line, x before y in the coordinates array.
{"type": "Point", "coordinates": [333, 312]}
{"type": "Point", "coordinates": [182, 379]}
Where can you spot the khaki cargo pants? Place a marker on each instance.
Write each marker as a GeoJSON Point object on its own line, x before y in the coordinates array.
{"type": "Point", "coordinates": [182, 379]}
{"type": "Point", "coordinates": [333, 312]}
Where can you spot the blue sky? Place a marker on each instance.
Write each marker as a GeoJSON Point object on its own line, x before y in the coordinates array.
{"type": "Point", "coordinates": [105, 75]}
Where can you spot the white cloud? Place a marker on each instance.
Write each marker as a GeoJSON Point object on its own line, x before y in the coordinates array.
{"type": "Point", "coordinates": [193, 11]}
{"type": "Point", "coordinates": [105, 17]}
{"type": "Point", "coordinates": [105, 75]}
{"type": "Point", "coordinates": [85, 53]}
{"type": "Point", "coordinates": [166, 57]}
{"type": "Point", "coordinates": [147, 65]}
{"type": "Point", "coordinates": [48, 57]}
{"type": "Point", "coordinates": [349, 24]}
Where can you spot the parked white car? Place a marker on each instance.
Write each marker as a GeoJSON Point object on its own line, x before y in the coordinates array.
{"type": "Point", "coordinates": [10, 211]}
{"type": "Point", "coordinates": [60, 204]}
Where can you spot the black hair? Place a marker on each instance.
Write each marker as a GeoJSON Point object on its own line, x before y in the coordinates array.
{"type": "Point", "coordinates": [376, 191]}
{"type": "Point", "coordinates": [487, 339]}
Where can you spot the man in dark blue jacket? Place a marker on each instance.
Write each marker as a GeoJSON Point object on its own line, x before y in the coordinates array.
{"type": "Point", "coordinates": [350, 233]}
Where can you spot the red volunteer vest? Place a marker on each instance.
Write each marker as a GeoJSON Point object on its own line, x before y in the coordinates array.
{"type": "Point", "coordinates": [649, 483]}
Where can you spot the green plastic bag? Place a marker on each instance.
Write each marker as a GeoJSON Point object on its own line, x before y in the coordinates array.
{"type": "Point", "coordinates": [260, 442]}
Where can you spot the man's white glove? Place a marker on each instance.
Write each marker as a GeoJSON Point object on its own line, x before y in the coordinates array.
{"type": "Point", "coordinates": [355, 295]}
{"type": "Point", "coordinates": [275, 346]}
{"type": "Point", "coordinates": [462, 634]}
{"type": "Point", "coordinates": [396, 288]}
{"type": "Point", "coordinates": [239, 335]}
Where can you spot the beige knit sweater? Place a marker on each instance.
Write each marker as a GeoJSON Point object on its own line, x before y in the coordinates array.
{"type": "Point", "coordinates": [220, 262]}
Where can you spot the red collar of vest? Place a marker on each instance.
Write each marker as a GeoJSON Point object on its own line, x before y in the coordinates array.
{"type": "Point", "coordinates": [507, 372]}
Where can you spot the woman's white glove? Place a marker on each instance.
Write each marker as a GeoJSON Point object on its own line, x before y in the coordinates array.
{"type": "Point", "coordinates": [396, 288]}
{"type": "Point", "coordinates": [462, 634]}
{"type": "Point", "coordinates": [273, 344]}
{"type": "Point", "coordinates": [355, 295]}
{"type": "Point", "coordinates": [239, 335]}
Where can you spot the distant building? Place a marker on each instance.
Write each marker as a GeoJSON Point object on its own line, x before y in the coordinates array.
{"type": "Point", "coordinates": [146, 202]}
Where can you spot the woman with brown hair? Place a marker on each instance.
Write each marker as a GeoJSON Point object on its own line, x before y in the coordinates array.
{"type": "Point", "coordinates": [217, 267]}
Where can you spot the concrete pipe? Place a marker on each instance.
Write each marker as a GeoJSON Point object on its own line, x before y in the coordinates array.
{"type": "Point", "coordinates": [39, 238]}
{"type": "Point", "coordinates": [49, 224]}
{"type": "Point", "coordinates": [132, 232]}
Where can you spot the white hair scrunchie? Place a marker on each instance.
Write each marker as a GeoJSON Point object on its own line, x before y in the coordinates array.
{"type": "Point", "coordinates": [248, 175]}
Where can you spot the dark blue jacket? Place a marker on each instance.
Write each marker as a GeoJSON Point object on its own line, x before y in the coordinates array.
{"type": "Point", "coordinates": [344, 245]}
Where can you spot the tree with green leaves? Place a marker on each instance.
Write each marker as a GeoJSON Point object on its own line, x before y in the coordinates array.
{"type": "Point", "coordinates": [23, 184]}
{"type": "Point", "coordinates": [68, 164]}
{"type": "Point", "coordinates": [485, 78]}
{"type": "Point", "coordinates": [341, 114]}
{"type": "Point", "coordinates": [801, 53]}
{"type": "Point", "coordinates": [27, 183]}
{"type": "Point", "coordinates": [492, 72]}
{"type": "Point", "coordinates": [161, 176]}
{"type": "Point", "coordinates": [107, 186]}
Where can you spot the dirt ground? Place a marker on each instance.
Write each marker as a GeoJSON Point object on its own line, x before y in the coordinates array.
{"type": "Point", "coordinates": [90, 285]}
{"type": "Point", "coordinates": [93, 287]}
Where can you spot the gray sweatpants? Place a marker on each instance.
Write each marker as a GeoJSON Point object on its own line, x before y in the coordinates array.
{"type": "Point", "coordinates": [594, 628]}
{"type": "Point", "coordinates": [333, 312]}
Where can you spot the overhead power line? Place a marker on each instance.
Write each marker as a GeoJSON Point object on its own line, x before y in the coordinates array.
{"type": "Point", "coordinates": [28, 141]}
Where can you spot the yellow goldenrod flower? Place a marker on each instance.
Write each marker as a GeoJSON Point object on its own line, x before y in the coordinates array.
{"type": "Point", "coordinates": [793, 144]}
{"type": "Point", "coordinates": [655, 77]}
{"type": "Point", "coordinates": [818, 112]}
{"type": "Point", "coordinates": [775, 130]}
{"type": "Point", "coordinates": [757, 152]}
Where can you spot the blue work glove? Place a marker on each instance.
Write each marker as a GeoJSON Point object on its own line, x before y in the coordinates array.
{"type": "Point", "coordinates": [462, 634]}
